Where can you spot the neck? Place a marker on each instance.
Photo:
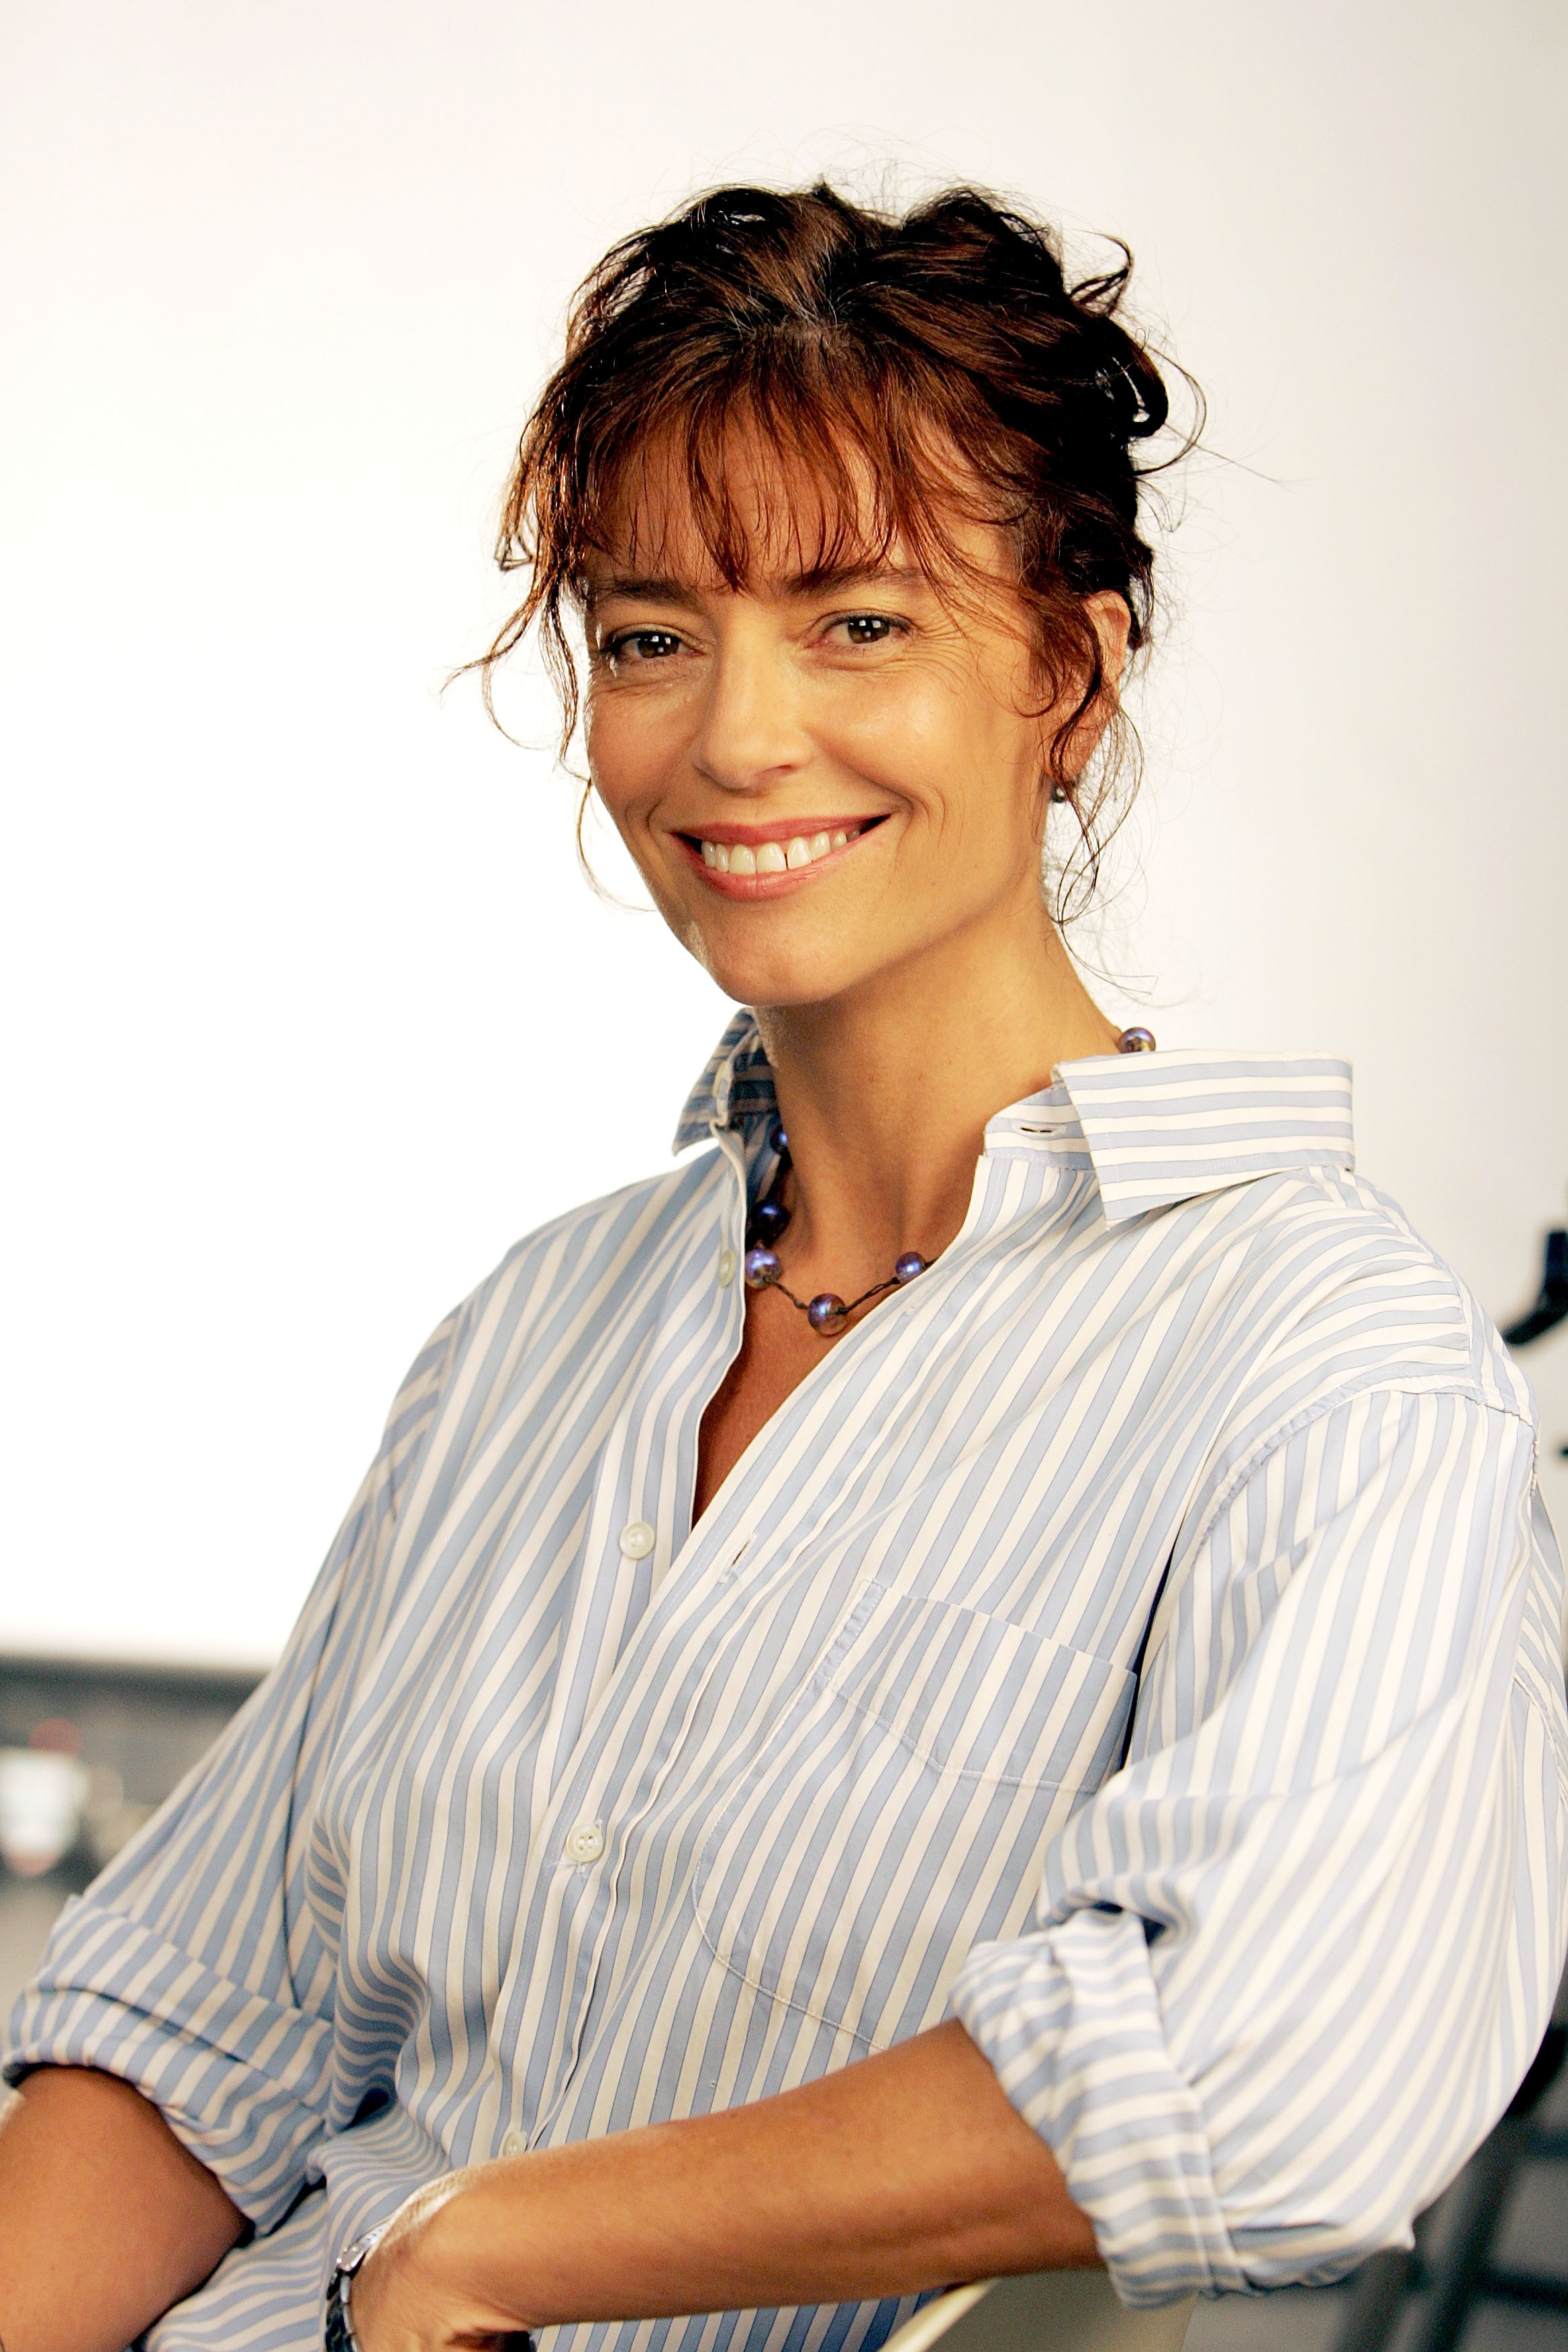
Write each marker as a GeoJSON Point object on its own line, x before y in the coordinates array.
{"type": "Point", "coordinates": [886, 1091]}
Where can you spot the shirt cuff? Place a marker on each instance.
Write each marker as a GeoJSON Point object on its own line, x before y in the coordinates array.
{"type": "Point", "coordinates": [1070, 2019]}
{"type": "Point", "coordinates": [240, 2080]}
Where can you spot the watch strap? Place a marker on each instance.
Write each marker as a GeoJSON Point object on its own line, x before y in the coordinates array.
{"type": "Point", "coordinates": [339, 2335]}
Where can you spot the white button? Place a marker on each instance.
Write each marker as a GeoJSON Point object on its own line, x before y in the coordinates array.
{"type": "Point", "coordinates": [514, 2143]}
{"type": "Point", "coordinates": [726, 1268]}
{"type": "Point", "coordinates": [637, 1539]}
{"type": "Point", "coordinates": [587, 1842]}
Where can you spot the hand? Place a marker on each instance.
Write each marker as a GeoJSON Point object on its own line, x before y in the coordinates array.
{"type": "Point", "coordinates": [404, 2297]}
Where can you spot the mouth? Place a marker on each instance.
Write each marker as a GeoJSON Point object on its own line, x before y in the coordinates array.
{"type": "Point", "coordinates": [762, 861]}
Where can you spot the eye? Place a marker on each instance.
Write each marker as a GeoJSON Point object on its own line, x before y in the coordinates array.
{"type": "Point", "coordinates": [867, 628]}
{"type": "Point", "coordinates": [634, 647]}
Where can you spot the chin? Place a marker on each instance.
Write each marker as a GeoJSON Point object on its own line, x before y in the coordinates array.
{"type": "Point", "coordinates": [776, 978]}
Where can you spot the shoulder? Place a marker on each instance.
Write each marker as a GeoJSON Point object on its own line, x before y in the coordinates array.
{"type": "Point", "coordinates": [1241, 1165]}
{"type": "Point", "coordinates": [1250, 1158]}
{"type": "Point", "coordinates": [1335, 1329]}
{"type": "Point", "coordinates": [1353, 1282]}
{"type": "Point", "coordinates": [576, 1280]}
{"type": "Point", "coordinates": [1357, 1378]}
{"type": "Point", "coordinates": [613, 1240]}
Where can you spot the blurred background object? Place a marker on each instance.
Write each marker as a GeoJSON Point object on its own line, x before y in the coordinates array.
{"type": "Point", "coordinates": [89, 1750]}
{"type": "Point", "coordinates": [1550, 1306]}
{"type": "Point", "coordinates": [46, 1796]}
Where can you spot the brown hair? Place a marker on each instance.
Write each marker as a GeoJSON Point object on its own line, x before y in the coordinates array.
{"type": "Point", "coordinates": [941, 348]}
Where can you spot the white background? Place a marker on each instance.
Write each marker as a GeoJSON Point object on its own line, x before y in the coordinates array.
{"type": "Point", "coordinates": [307, 1012]}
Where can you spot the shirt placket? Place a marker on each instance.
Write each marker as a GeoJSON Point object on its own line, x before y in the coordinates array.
{"type": "Point", "coordinates": [639, 1521]}
{"type": "Point", "coordinates": [640, 1515]}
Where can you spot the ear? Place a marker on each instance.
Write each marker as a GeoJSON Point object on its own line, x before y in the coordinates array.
{"type": "Point", "coordinates": [1112, 626]}
{"type": "Point", "coordinates": [1109, 613]}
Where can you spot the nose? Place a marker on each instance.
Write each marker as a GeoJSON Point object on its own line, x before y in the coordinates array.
{"type": "Point", "coordinates": [751, 733]}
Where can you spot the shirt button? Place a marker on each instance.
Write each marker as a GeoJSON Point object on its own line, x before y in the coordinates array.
{"type": "Point", "coordinates": [514, 2143]}
{"type": "Point", "coordinates": [637, 1539]}
{"type": "Point", "coordinates": [587, 1842]}
{"type": "Point", "coordinates": [726, 1268]}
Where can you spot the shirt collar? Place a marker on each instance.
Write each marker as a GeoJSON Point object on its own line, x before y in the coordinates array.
{"type": "Point", "coordinates": [736, 1088]}
{"type": "Point", "coordinates": [1158, 1128]}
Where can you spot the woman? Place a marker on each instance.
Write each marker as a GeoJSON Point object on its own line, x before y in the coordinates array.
{"type": "Point", "coordinates": [969, 1681]}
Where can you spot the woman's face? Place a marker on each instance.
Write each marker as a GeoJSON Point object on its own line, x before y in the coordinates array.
{"type": "Point", "coordinates": [821, 776]}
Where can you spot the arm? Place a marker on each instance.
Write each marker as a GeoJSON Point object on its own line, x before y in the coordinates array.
{"type": "Point", "coordinates": [1291, 1962]}
{"type": "Point", "coordinates": [903, 2172]}
{"type": "Point", "coordinates": [105, 2219]}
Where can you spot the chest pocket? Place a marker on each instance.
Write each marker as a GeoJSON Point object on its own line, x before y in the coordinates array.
{"type": "Point", "coordinates": [898, 1812]}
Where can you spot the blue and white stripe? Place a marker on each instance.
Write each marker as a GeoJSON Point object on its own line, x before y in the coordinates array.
{"type": "Point", "coordinates": [1140, 1637]}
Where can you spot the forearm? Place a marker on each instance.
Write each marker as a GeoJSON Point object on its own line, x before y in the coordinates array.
{"type": "Point", "coordinates": [105, 2219]}
{"type": "Point", "coordinates": [907, 2171]}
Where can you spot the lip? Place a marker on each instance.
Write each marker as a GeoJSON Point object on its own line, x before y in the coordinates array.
{"type": "Point", "coordinates": [772, 885]}
{"type": "Point", "coordinates": [783, 828]}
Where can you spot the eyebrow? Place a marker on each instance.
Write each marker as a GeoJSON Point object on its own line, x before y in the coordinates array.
{"type": "Point", "coordinates": [816, 580]}
{"type": "Point", "coordinates": [639, 588]}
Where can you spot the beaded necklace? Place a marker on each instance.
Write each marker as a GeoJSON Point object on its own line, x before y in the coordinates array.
{"type": "Point", "coordinates": [827, 1313]}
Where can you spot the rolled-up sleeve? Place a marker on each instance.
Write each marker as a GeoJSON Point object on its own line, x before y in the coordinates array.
{"type": "Point", "coordinates": [1288, 1965]}
{"type": "Point", "coordinates": [193, 1967]}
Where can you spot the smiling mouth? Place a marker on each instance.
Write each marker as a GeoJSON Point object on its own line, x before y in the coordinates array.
{"type": "Point", "coordinates": [779, 851]}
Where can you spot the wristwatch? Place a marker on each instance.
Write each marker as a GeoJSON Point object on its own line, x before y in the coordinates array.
{"type": "Point", "coordinates": [339, 2334]}
{"type": "Point", "coordinates": [340, 2331]}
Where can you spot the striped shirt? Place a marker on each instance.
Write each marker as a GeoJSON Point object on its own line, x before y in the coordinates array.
{"type": "Point", "coordinates": [1140, 1637]}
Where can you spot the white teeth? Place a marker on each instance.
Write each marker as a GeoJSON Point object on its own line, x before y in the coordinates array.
{"type": "Point", "coordinates": [776, 856]}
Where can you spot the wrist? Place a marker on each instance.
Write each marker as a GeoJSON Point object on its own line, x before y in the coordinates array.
{"type": "Point", "coordinates": [474, 2241]}
{"type": "Point", "coordinates": [458, 2246]}
{"type": "Point", "coordinates": [424, 2277]}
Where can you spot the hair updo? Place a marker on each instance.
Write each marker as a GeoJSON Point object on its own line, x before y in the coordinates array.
{"type": "Point", "coordinates": [942, 355]}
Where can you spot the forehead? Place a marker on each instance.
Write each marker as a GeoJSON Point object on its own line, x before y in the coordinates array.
{"type": "Point", "coordinates": [743, 511]}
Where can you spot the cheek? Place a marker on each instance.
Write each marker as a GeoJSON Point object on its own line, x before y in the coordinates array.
{"type": "Point", "coordinates": [966, 767]}
{"type": "Point", "coordinates": [636, 731]}
{"type": "Point", "coordinates": [620, 749]}
{"type": "Point", "coordinates": [939, 715]}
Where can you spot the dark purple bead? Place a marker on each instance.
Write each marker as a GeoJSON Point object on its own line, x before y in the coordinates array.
{"type": "Point", "coordinates": [1136, 1041]}
{"type": "Point", "coordinates": [762, 1267]}
{"type": "Point", "coordinates": [770, 1221]}
{"type": "Point", "coordinates": [906, 1268]}
{"type": "Point", "coordinates": [826, 1313]}
{"type": "Point", "coordinates": [779, 1140]}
